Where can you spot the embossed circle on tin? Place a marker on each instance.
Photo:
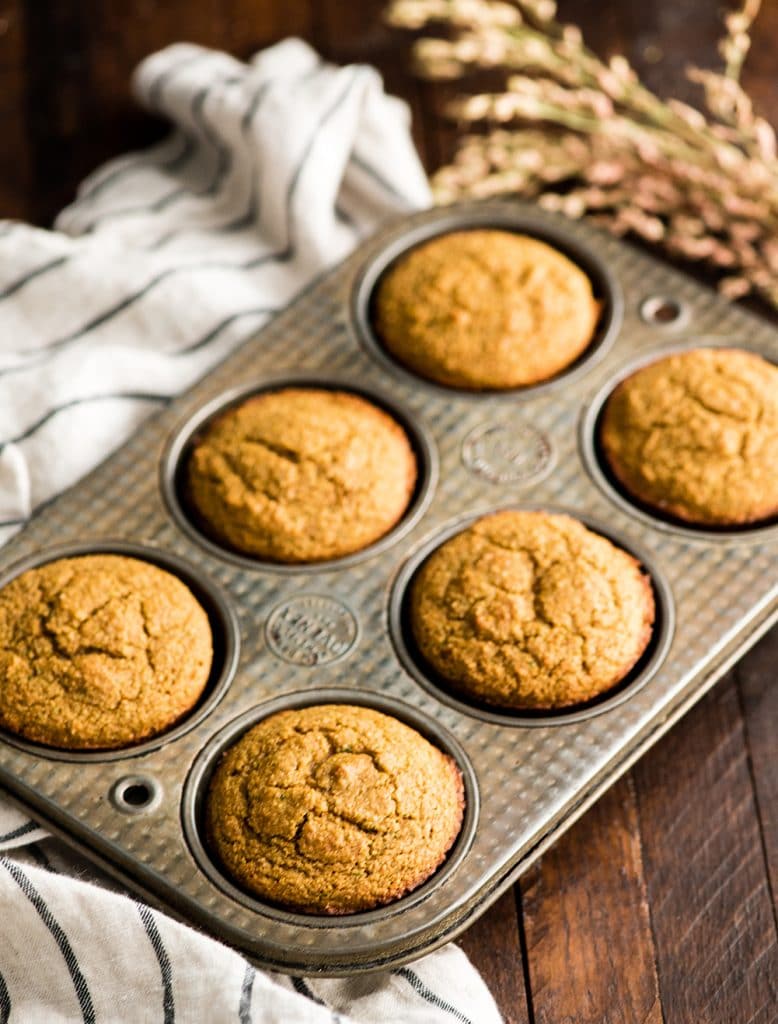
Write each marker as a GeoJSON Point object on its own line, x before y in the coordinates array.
{"type": "Point", "coordinates": [507, 452]}
{"type": "Point", "coordinates": [597, 465]}
{"type": "Point", "coordinates": [175, 455]}
{"type": "Point", "coordinates": [224, 631]}
{"type": "Point", "coordinates": [664, 312]}
{"type": "Point", "coordinates": [471, 216]}
{"type": "Point", "coordinates": [311, 629]}
{"type": "Point", "coordinates": [417, 666]}
{"type": "Point", "coordinates": [204, 765]}
{"type": "Point", "coordinates": [136, 794]}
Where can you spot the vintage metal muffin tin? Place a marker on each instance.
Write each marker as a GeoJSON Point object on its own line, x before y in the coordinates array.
{"type": "Point", "coordinates": [294, 635]}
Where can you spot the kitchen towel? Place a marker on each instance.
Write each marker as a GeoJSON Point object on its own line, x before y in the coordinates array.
{"type": "Point", "coordinates": [166, 260]}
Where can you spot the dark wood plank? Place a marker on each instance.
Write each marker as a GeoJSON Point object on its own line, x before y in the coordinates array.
{"type": "Point", "coordinates": [759, 74]}
{"type": "Point", "coordinates": [757, 679]}
{"type": "Point", "coordinates": [586, 921]}
{"type": "Point", "coordinates": [493, 944]}
{"type": "Point", "coordinates": [659, 39]}
{"type": "Point", "coordinates": [14, 166]}
{"type": "Point", "coordinates": [78, 109]}
{"type": "Point", "coordinates": [711, 908]}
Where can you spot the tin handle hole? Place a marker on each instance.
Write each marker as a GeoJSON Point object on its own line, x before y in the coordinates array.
{"type": "Point", "coordinates": [661, 311]}
{"type": "Point", "coordinates": [136, 794]}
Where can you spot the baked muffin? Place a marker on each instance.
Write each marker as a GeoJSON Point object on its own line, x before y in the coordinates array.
{"type": "Point", "coordinates": [695, 436]}
{"type": "Point", "coordinates": [99, 651]}
{"type": "Point", "coordinates": [301, 475]}
{"type": "Point", "coordinates": [485, 309]}
{"type": "Point", "coordinates": [333, 809]}
{"type": "Point", "coordinates": [531, 610]}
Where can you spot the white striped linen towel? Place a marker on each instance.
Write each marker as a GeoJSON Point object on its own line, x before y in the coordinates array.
{"type": "Point", "coordinates": [164, 262]}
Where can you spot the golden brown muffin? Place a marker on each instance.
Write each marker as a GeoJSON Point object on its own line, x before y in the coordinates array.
{"type": "Point", "coordinates": [695, 435]}
{"type": "Point", "coordinates": [531, 610]}
{"type": "Point", "coordinates": [301, 475]}
{"type": "Point", "coordinates": [333, 809]}
{"type": "Point", "coordinates": [485, 309]}
{"type": "Point", "coordinates": [99, 651]}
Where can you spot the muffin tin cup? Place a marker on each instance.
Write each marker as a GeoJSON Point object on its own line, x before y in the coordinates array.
{"type": "Point", "coordinates": [520, 221]}
{"type": "Point", "coordinates": [174, 458]}
{"type": "Point", "coordinates": [196, 786]}
{"type": "Point", "coordinates": [640, 674]}
{"type": "Point", "coordinates": [597, 465]}
{"type": "Point", "coordinates": [293, 633]}
{"type": "Point", "coordinates": [224, 631]}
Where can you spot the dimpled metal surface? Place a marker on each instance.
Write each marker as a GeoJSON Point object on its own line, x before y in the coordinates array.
{"type": "Point", "coordinates": [529, 778]}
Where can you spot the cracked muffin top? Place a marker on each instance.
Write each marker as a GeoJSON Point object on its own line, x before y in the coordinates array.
{"type": "Point", "coordinates": [301, 475]}
{"type": "Point", "coordinates": [333, 809]}
{"type": "Point", "coordinates": [99, 652]}
{"type": "Point", "coordinates": [695, 435]}
{"type": "Point", "coordinates": [485, 309]}
{"type": "Point", "coordinates": [531, 610]}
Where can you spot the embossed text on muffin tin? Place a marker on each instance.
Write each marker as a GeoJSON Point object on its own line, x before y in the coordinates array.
{"type": "Point", "coordinates": [311, 629]}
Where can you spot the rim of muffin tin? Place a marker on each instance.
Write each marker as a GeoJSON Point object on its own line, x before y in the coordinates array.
{"type": "Point", "coordinates": [596, 464]}
{"type": "Point", "coordinates": [604, 283]}
{"type": "Point", "coordinates": [225, 634]}
{"type": "Point", "coordinates": [175, 454]}
{"type": "Point", "coordinates": [206, 761]}
{"type": "Point", "coordinates": [435, 684]}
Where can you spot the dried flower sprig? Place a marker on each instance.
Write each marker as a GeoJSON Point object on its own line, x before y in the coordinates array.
{"type": "Point", "coordinates": [584, 136]}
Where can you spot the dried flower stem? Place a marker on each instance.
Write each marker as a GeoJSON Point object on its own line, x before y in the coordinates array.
{"type": "Point", "coordinates": [583, 136]}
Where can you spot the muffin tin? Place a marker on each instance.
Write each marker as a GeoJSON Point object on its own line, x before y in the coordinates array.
{"type": "Point", "coordinates": [295, 635]}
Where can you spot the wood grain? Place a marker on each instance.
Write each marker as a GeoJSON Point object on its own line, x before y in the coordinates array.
{"type": "Point", "coordinates": [494, 944]}
{"type": "Point", "coordinates": [586, 920]}
{"type": "Point", "coordinates": [757, 680]}
{"type": "Point", "coordinates": [15, 189]}
{"type": "Point", "coordinates": [706, 877]}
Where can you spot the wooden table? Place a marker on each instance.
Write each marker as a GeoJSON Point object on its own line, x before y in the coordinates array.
{"type": "Point", "coordinates": [660, 904]}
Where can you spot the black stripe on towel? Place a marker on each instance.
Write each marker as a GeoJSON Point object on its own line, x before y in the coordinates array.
{"type": "Point", "coordinates": [328, 114]}
{"type": "Point", "coordinates": [163, 960]}
{"type": "Point", "coordinates": [131, 396]}
{"type": "Point", "coordinates": [29, 826]}
{"type": "Point", "coordinates": [184, 149]}
{"type": "Point", "coordinates": [378, 178]}
{"type": "Point", "coordinates": [79, 981]}
{"type": "Point", "coordinates": [20, 282]}
{"type": "Point", "coordinates": [244, 1007]}
{"type": "Point", "coordinates": [301, 986]}
{"type": "Point", "coordinates": [13, 522]}
{"type": "Point", "coordinates": [5, 1002]}
{"type": "Point", "coordinates": [35, 850]}
{"type": "Point", "coordinates": [221, 326]}
{"type": "Point", "coordinates": [154, 90]}
{"type": "Point", "coordinates": [125, 303]}
{"type": "Point", "coordinates": [429, 996]}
